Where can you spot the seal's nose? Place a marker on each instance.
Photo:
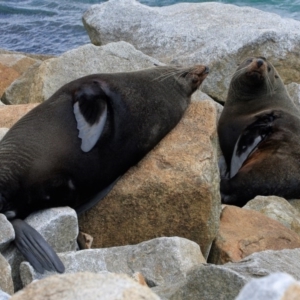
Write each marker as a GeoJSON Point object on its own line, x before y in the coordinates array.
{"type": "Point", "coordinates": [259, 63]}
{"type": "Point", "coordinates": [206, 70]}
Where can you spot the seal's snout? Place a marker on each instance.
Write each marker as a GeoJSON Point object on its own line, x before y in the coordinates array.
{"type": "Point", "coordinates": [206, 70]}
{"type": "Point", "coordinates": [259, 62]}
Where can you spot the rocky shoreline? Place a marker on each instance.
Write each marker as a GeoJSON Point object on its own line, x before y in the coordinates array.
{"type": "Point", "coordinates": [162, 224]}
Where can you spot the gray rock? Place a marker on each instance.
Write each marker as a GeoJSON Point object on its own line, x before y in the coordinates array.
{"type": "Point", "coordinates": [6, 283]}
{"type": "Point", "coordinates": [7, 233]}
{"type": "Point", "coordinates": [212, 282]}
{"type": "Point", "coordinates": [39, 83]}
{"type": "Point", "coordinates": [271, 287]}
{"type": "Point", "coordinates": [278, 209]}
{"type": "Point", "coordinates": [58, 226]}
{"type": "Point", "coordinates": [87, 286]}
{"type": "Point", "coordinates": [4, 296]}
{"type": "Point", "coordinates": [294, 91]}
{"type": "Point", "coordinates": [3, 131]}
{"type": "Point", "coordinates": [217, 34]}
{"type": "Point", "coordinates": [161, 261]}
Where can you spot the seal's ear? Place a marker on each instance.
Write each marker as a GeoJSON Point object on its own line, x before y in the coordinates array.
{"type": "Point", "coordinates": [35, 249]}
{"type": "Point", "coordinates": [90, 110]}
{"type": "Point", "coordinates": [250, 139]}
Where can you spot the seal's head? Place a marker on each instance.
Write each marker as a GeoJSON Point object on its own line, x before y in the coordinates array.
{"type": "Point", "coordinates": [254, 77]}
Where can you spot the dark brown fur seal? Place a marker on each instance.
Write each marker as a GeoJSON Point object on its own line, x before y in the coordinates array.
{"type": "Point", "coordinates": [259, 134]}
{"type": "Point", "coordinates": [71, 149]}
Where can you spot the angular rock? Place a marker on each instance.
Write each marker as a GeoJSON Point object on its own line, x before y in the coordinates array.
{"type": "Point", "coordinates": [6, 283]}
{"type": "Point", "coordinates": [12, 66]}
{"type": "Point", "coordinates": [161, 261]}
{"type": "Point", "coordinates": [7, 233]}
{"type": "Point", "coordinates": [173, 191]}
{"type": "Point", "coordinates": [10, 114]}
{"type": "Point", "coordinates": [271, 287]}
{"type": "Point", "coordinates": [243, 232]}
{"type": "Point", "coordinates": [211, 282]}
{"type": "Point", "coordinates": [39, 84]}
{"type": "Point", "coordinates": [87, 286]}
{"type": "Point", "coordinates": [278, 209]}
{"type": "Point", "coordinates": [217, 34]}
{"type": "Point", "coordinates": [58, 226]}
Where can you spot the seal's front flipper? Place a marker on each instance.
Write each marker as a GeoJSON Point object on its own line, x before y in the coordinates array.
{"type": "Point", "coordinates": [35, 249]}
{"type": "Point", "coordinates": [250, 139]}
{"type": "Point", "coordinates": [90, 110]}
{"type": "Point", "coordinates": [84, 207]}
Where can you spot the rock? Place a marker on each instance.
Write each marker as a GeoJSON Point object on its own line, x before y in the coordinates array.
{"type": "Point", "coordinates": [4, 296]}
{"type": "Point", "coordinates": [58, 226]}
{"type": "Point", "coordinates": [10, 114]}
{"type": "Point", "coordinates": [12, 66]}
{"type": "Point", "coordinates": [292, 292]}
{"type": "Point", "coordinates": [6, 283]}
{"type": "Point", "coordinates": [294, 92]}
{"type": "Point", "coordinates": [224, 282]}
{"type": "Point", "coordinates": [217, 34]}
{"type": "Point", "coordinates": [295, 203]}
{"type": "Point", "coordinates": [278, 209]}
{"type": "Point", "coordinates": [173, 191]}
{"type": "Point", "coordinates": [271, 287]}
{"type": "Point", "coordinates": [7, 233]}
{"type": "Point", "coordinates": [87, 286]}
{"type": "Point", "coordinates": [161, 261]}
{"type": "Point", "coordinates": [40, 83]}
{"type": "Point", "coordinates": [243, 232]}
{"type": "Point", "coordinates": [84, 240]}
{"type": "Point", "coordinates": [3, 132]}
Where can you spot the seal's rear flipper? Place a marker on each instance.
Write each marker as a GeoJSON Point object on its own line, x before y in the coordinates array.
{"type": "Point", "coordinates": [250, 139]}
{"type": "Point", "coordinates": [84, 207]}
{"type": "Point", "coordinates": [35, 249]}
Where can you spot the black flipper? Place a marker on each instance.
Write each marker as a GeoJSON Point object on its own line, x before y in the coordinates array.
{"type": "Point", "coordinates": [35, 249]}
{"type": "Point", "coordinates": [84, 207]}
{"type": "Point", "coordinates": [90, 110]}
{"type": "Point", "coordinates": [249, 140]}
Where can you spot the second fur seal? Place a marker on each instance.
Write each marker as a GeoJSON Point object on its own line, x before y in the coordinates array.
{"type": "Point", "coordinates": [259, 134]}
{"type": "Point", "coordinates": [71, 149]}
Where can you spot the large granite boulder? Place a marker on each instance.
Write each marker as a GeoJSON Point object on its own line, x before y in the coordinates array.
{"type": "Point", "coordinates": [173, 191]}
{"type": "Point", "coordinates": [217, 34]}
{"type": "Point", "coordinates": [87, 286]}
{"type": "Point", "coordinates": [39, 83]}
{"type": "Point", "coordinates": [243, 232]}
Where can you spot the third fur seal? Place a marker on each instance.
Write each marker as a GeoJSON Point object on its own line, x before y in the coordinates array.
{"type": "Point", "coordinates": [259, 134]}
{"type": "Point", "coordinates": [71, 149]}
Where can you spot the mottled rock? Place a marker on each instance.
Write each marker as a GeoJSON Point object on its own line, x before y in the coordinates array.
{"type": "Point", "coordinates": [278, 209]}
{"type": "Point", "coordinates": [58, 226]}
{"type": "Point", "coordinates": [271, 287]}
{"type": "Point", "coordinates": [7, 233]}
{"type": "Point", "coordinates": [12, 66]}
{"type": "Point", "coordinates": [161, 261]}
{"type": "Point", "coordinates": [39, 84]}
{"type": "Point", "coordinates": [10, 114]}
{"type": "Point", "coordinates": [217, 34]}
{"type": "Point", "coordinates": [211, 282]}
{"type": "Point", "coordinates": [243, 232]}
{"type": "Point", "coordinates": [87, 286]}
{"type": "Point", "coordinates": [6, 283]}
{"type": "Point", "coordinates": [173, 191]}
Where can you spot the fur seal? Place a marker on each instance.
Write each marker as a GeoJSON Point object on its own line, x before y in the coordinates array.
{"type": "Point", "coordinates": [259, 134]}
{"type": "Point", "coordinates": [71, 149]}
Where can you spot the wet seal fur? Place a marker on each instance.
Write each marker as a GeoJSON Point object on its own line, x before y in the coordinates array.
{"type": "Point", "coordinates": [259, 134]}
{"type": "Point", "coordinates": [71, 149]}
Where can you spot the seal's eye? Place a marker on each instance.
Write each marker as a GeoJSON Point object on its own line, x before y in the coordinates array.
{"type": "Point", "coordinates": [249, 60]}
{"type": "Point", "coordinates": [269, 69]}
{"type": "Point", "coordinates": [276, 76]}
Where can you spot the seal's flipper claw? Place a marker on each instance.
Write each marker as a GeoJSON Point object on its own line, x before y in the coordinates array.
{"type": "Point", "coordinates": [90, 110]}
{"type": "Point", "coordinates": [35, 249]}
{"type": "Point", "coordinates": [81, 209]}
{"type": "Point", "coordinates": [249, 141]}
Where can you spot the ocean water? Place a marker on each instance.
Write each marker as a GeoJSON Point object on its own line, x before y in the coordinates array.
{"type": "Point", "coordinates": [54, 26]}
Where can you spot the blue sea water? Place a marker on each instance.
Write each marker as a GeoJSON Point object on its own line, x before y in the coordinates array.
{"type": "Point", "coordinates": [55, 26]}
